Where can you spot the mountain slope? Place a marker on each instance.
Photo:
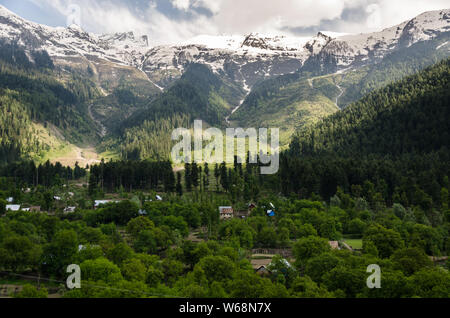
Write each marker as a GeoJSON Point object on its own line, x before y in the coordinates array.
{"type": "Point", "coordinates": [289, 82]}
{"type": "Point", "coordinates": [38, 103]}
{"type": "Point", "coordinates": [392, 146]}
{"type": "Point", "coordinates": [295, 100]}
{"type": "Point", "coordinates": [284, 104]}
{"type": "Point", "coordinates": [410, 116]}
{"type": "Point", "coordinates": [199, 94]}
{"type": "Point", "coordinates": [244, 59]}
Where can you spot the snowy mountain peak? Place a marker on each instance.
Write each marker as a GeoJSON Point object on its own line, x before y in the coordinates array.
{"type": "Point", "coordinates": [425, 26]}
{"type": "Point", "coordinates": [274, 42]}
{"type": "Point", "coordinates": [315, 45]}
{"type": "Point", "coordinates": [75, 27]}
{"type": "Point", "coordinates": [246, 59]}
{"type": "Point", "coordinates": [4, 12]}
{"type": "Point", "coordinates": [253, 40]}
{"type": "Point", "coordinates": [361, 48]}
{"type": "Point", "coordinates": [125, 40]}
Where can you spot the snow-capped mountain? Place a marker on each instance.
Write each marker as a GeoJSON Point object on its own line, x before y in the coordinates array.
{"type": "Point", "coordinates": [242, 58]}
{"type": "Point", "coordinates": [353, 50]}
{"type": "Point", "coordinates": [245, 59]}
{"type": "Point", "coordinates": [72, 41]}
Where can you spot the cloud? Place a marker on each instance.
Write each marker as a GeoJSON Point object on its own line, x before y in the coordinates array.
{"type": "Point", "coordinates": [181, 4]}
{"type": "Point", "coordinates": [169, 21]}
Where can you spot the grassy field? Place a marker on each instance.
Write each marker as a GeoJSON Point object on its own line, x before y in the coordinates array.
{"type": "Point", "coordinates": [354, 243]}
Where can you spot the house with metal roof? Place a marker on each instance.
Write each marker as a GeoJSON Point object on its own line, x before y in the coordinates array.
{"type": "Point", "coordinates": [70, 209]}
{"type": "Point", "coordinates": [334, 245]}
{"type": "Point", "coordinates": [226, 212]}
{"type": "Point", "coordinates": [12, 207]}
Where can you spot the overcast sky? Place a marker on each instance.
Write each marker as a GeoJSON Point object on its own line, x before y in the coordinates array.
{"type": "Point", "coordinates": [169, 21]}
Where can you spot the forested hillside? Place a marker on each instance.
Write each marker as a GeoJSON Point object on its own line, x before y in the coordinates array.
{"type": "Point", "coordinates": [293, 101]}
{"type": "Point", "coordinates": [31, 94]}
{"type": "Point", "coordinates": [199, 94]}
{"type": "Point", "coordinates": [390, 147]}
{"type": "Point", "coordinates": [410, 116]}
{"type": "Point", "coordinates": [286, 102]}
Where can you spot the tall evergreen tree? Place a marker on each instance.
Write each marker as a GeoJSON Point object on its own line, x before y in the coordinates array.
{"type": "Point", "coordinates": [179, 186]}
{"type": "Point", "coordinates": [188, 176]}
{"type": "Point", "coordinates": [224, 176]}
{"type": "Point", "coordinates": [195, 175]}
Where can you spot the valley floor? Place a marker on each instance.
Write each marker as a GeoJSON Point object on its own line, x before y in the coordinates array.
{"type": "Point", "coordinates": [84, 156]}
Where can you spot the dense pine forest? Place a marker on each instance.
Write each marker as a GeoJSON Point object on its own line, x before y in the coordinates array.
{"type": "Point", "coordinates": [395, 140]}
{"type": "Point", "coordinates": [409, 116]}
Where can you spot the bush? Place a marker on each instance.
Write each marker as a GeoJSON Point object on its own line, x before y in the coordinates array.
{"type": "Point", "coordinates": [30, 291]}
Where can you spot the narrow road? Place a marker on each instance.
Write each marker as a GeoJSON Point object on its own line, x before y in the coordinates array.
{"type": "Point", "coordinates": [340, 95]}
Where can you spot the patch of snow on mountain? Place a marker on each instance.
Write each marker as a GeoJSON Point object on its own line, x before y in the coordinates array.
{"type": "Point", "coordinates": [232, 42]}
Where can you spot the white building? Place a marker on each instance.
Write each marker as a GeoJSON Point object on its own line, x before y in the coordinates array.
{"type": "Point", "coordinates": [98, 203]}
{"type": "Point", "coordinates": [13, 207]}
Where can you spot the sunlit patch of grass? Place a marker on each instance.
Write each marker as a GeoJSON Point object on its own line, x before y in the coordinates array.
{"type": "Point", "coordinates": [354, 243]}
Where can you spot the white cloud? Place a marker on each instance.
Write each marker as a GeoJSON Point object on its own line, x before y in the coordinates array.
{"type": "Point", "coordinates": [270, 16]}
{"type": "Point", "coordinates": [181, 4]}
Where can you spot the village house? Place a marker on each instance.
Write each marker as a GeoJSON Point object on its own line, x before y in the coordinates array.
{"type": "Point", "coordinates": [241, 214]}
{"type": "Point", "coordinates": [142, 212]}
{"type": "Point", "coordinates": [98, 203]}
{"type": "Point", "coordinates": [35, 209]}
{"type": "Point", "coordinates": [70, 209]}
{"type": "Point", "coordinates": [226, 212]}
{"type": "Point", "coordinates": [334, 245]}
{"type": "Point", "coordinates": [13, 207]}
{"type": "Point", "coordinates": [263, 271]}
{"type": "Point", "coordinates": [261, 266]}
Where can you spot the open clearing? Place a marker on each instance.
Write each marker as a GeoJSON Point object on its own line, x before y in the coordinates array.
{"type": "Point", "coordinates": [354, 243]}
{"type": "Point", "coordinates": [74, 154]}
